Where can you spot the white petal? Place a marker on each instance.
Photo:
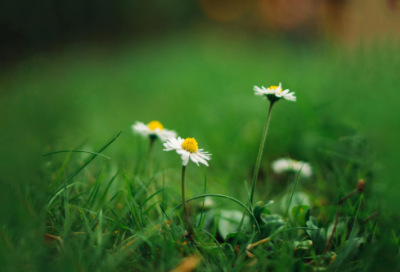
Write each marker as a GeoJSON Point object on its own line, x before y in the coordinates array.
{"type": "Point", "coordinates": [194, 158]}
{"type": "Point", "coordinates": [165, 134]}
{"type": "Point", "coordinates": [172, 144]}
{"type": "Point", "coordinates": [141, 128]}
{"type": "Point", "coordinates": [185, 158]}
{"type": "Point", "coordinates": [200, 159]}
{"type": "Point", "coordinates": [259, 91]}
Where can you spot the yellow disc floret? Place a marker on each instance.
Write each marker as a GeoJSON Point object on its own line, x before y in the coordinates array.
{"type": "Point", "coordinates": [274, 88]}
{"type": "Point", "coordinates": [190, 144]}
{"type": "Point", "coordinates": [155, 124]}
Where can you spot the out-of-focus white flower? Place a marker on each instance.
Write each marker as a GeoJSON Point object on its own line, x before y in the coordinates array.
{"type": "Point", "coordinates": [274, 93]}
{"type": "Point", "coordinates": [208, 203]}
{"type": "Point", "coordinates": [154, 128]}
{"type": "Point", "coordinates": [287, 165]}
{"type": "Point", "coordinates": [188, 149]}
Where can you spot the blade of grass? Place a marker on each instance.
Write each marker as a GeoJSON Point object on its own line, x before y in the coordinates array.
{"type": "Point", "coordinates": [77, 151]}
{"type": "Point", "coordinates": [62, 190]}
{"type": "Point", "coordinates": [150, 197]}
{"type": "Point", "coordinates": [66, 209]}
{"type": "Point", "coordinates": [95, 190]}
{"type": "Point", "coordinates": [204, 200]}
{"type": "Point", "coordinates": [104, 195]}
{"type": "Point", "coordinates": [294, 189]}
{"type": "Point", "coordinates": [61, 171]}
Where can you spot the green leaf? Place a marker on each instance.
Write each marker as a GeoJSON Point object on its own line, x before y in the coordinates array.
{"type": "Point", "coordinates": [317, 236]}
{"type": "Point", "coordinates": [272, 222]}
{"type": "Point", "coordinates": [260, 208]}
{"type": "Point", "coordinates": [229, 221]}
{"type": "Point", "coordinates": [301, 248]}
{"type": "Point", "coordinates": [301, 214]}
{"type": "Point", "coordinates": [349, 251]}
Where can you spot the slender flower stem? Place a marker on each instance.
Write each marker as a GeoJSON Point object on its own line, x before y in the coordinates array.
{"type": "Point", "coordinates": [150, 166]}
{"type": "Point", "coordinates": [371, 217]}
{"type": "Point", "coordinates": [150, 154]}
{"type": "Point", "coordinates": [260, 152]}
{"type": "Point", "coordinates": [185, 210]}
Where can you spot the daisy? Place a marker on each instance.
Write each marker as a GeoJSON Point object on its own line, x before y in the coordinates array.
{"type": "Point", "coordinates": [154, 129]}
{"type": "Point", "coordinates": [187, 148]}
{"type": "Point", "coordinates": [274, 93]}
{"type": "Point", "coordinates": [288, 165]}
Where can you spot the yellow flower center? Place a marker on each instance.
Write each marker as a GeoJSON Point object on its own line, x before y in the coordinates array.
{"type": "Point", "coordinates": [190, 144]}
{"type": "Point", "coordinates": [155, 124]}
{"type": "Point", "coordinates": [274, 88]}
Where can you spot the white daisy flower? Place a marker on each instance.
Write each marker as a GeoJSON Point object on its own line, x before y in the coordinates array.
{"type": "Point", "coordinates": [154, 128]}
{"type": "Point", "coordinates": [286, 165]}
{"type": "Point", "coordinates": [187, 148]}
{"type": "Point", "coordinates": [274, 93]}
{"type": "Point", "coordinates": [208, 203]}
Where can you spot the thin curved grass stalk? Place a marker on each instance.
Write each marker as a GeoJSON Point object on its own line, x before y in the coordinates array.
{"type": "Point", "coordinates": [222, 196]}
{"type": "Point", "coordinates": [76, 151]}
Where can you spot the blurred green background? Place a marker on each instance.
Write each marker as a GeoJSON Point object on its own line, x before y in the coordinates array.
{"type": "Point", "coordinates": [74, 74]}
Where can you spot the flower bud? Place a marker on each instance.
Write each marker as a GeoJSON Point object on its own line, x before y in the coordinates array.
{"type": "Point", "coordinates": [360, 185]}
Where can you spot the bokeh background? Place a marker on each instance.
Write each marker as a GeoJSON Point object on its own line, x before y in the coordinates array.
{"type": "Point", "coordinates": [74, 73]}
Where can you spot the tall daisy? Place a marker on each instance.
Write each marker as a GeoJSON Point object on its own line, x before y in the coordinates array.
{"type": "Point", "coordinates": [188, 149]}
{"type": "Point", "coordinates": [274, 94]}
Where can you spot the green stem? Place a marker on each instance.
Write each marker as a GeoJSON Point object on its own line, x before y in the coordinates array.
{"type": "Point", "coordinates": [260, 152]}
{"type": "Point", "coordinates": [185, 210]}
{"type": "Point", "coordinates": [150, 155]}
{"type": "Point", "coordinates": [150, 166]}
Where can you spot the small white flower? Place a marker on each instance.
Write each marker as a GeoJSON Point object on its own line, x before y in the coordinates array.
{"type": "Point", "coordinates": [154, 128]}
{"type": "Point", "coordinates": [286, 165]}
{"type": "Point", "coordinates": [274, 93]}
{"type": "Point", "coordinates": [208, 203]}
{"type": "Point", "coordinates": [187, 148]}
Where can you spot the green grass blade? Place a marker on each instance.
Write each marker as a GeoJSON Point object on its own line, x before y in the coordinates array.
{"type": "Point", "coordinates": [204, 200]}
{"type": "Point", "coordinates": [294, 189]}
{"type": "Point", "coordinates": [150, 197]}
{"type": "Point", "coordinates": [104, 195]}
{"type": "Point", "coordinates": [60, 191]}
{"type": "Point", "coordinates": [77, 151]}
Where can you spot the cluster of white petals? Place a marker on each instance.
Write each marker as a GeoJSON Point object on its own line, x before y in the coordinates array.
{"type": "Point", "coordinates": [196, 155]}
{"type": "Point", "coordinates": [275, 91]}
{"type": "Point", "coordinates": [162, 133]}
{"type": "Point", "coordinates": [288, 165]}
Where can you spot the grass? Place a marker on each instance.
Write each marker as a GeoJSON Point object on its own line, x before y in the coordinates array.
{"type": "Point", "coordinates": [98, 215]}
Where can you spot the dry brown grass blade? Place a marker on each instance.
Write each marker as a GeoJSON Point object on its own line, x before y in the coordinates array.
{"type": "Point", "coordinates": [188, 264]}
{"type": "Point", "coordinates": [49, 238]}
{"type": "Point", "coordinates": [251, 255]}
